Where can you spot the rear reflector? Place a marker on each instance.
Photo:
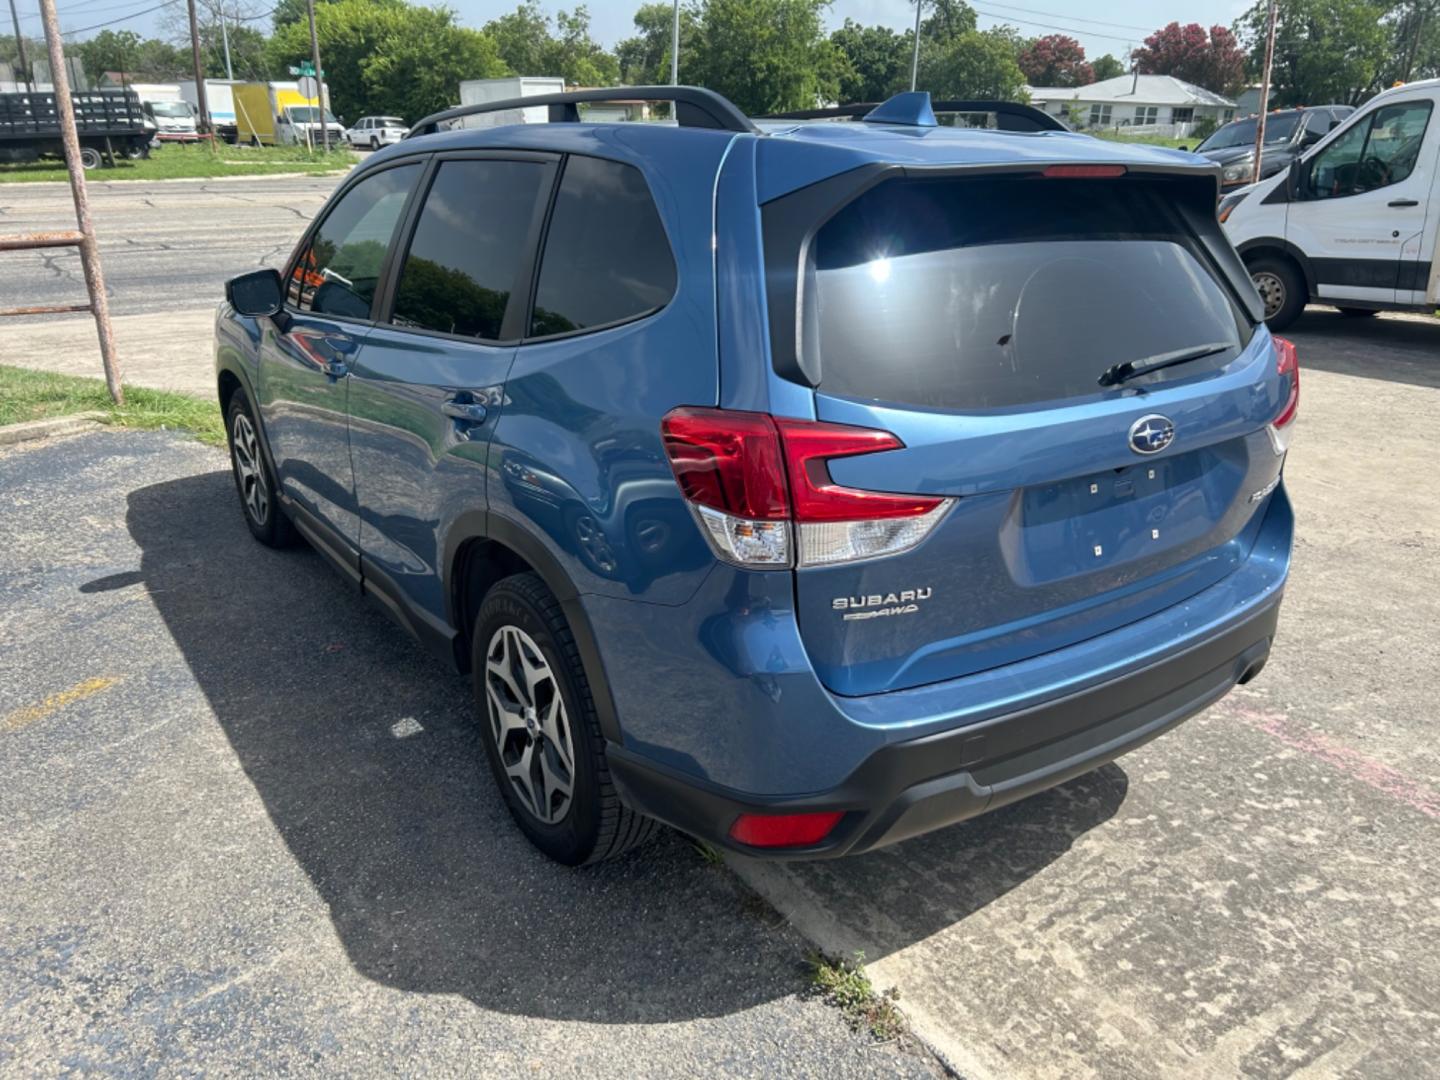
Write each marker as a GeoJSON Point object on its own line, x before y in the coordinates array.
{"type": "Point", "coordinates": [784, 830]}
{"type": "Point", "coordinates": [1083, 172]}
{"type": "Point", "coordinates": [749, 477]}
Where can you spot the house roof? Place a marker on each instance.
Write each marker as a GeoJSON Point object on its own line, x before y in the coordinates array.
{"type": "Point", "coordinates": [1137, 89]}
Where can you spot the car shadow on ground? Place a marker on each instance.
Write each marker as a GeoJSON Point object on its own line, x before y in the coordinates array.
{"type": "Point", "coordinates": [364, 753]}
{"type": "Point", "coordinates": [1396, 348]}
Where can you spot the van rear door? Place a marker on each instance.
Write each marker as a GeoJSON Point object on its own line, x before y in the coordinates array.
{"type": "Point", "coordinates": [973, 318]}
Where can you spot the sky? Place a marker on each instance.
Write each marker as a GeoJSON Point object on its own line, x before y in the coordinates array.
{"type": "Point", "coordinates": [1114, 27]}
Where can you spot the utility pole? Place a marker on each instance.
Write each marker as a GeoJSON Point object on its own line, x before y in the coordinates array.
{"type": "Point", "coordinates": [1264, 94]}
{"type": "Point", "coordinates": [25, 67]}
{"type": "Point", "coordinates": [319, 82]}
{"type": "Point", "coordinates": [674, 46]}
{"type": "Point", "coordinates": [89, 249]}
{"type": "Point", "coordinates": [225, 38]}
{"type": "Point", "coordinates": [915, 55]}
{"type": "Point", "coordinates": [200, 99]}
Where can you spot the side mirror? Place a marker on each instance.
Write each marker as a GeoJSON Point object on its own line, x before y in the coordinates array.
{"type": "Point", "coordinates": [1310, 138]}
{"type": "Point", "coordinates": [258, 293]}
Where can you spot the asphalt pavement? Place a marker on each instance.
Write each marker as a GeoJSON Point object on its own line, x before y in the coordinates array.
{"type": "Point", "coordinates": [249, 830]}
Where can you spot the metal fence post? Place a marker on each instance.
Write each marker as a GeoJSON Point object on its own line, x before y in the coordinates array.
{"type": "Point", "coordinates": [89, 250]}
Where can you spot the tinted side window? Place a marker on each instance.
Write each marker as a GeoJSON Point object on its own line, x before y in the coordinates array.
{"type": "Point", "coordinates": [606, 256]}
{"type": "Point", "coordinates": [338, 271]}
{"type": "Point", "coordinates": [468, 247]}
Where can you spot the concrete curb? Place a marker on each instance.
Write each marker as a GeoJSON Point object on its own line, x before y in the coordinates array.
{"type": "Point", "coordinates": [89, 182]}
{"type": "Point", "coordinates": [43, 429]}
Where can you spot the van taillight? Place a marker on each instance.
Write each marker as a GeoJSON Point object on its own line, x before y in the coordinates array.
{"type": "Point", "coordinates": [761, 486]}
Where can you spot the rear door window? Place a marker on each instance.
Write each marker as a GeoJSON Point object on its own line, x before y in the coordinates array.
{"type": "Point", "coordinates": [987, 293]}
{"type": "Point", "coordinates": [337, 272]}
{"type": "Point", "coordinates": [469, 248]}
{"type": "Point", "coordinates": [607, 259]}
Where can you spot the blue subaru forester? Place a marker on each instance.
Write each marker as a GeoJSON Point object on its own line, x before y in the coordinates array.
{"type": "Point", "coordinates": [806, 485]}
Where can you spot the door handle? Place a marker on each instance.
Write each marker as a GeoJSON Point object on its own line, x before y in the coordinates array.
{"type": "Point", "coordinates": [1403, 202]}
{"type": "Point", "coordinates": [467, 412]}
{"type": "Point", "coordinates": [335, 369]}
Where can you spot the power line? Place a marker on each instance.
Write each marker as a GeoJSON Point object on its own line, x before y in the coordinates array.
{"type": "Point", "coordinates": [1073, 18]}
{"type": "Point", "coordinates": [1051, 26]}
{"type": "Point", "coordinates": [122, 18]}
{"type": "Point", "coordinates": [105, 5]}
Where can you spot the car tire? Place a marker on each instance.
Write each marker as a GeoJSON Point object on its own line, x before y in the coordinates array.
{"type": "Point", "coordinates": [254, 481]}
{"type": "Point", "coordinates": [1282, 289]}
{"type": "Point", "coordinates": [374, 143]}
{"type": "Point", "coordinates": [1357, 312]}
{"type": "Point", "coordinates": [531, 694]}
{"type": "Point", "coordinates": [90, 158]}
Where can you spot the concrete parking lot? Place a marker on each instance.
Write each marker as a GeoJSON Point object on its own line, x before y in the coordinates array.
{"type": "Point", "coordinates": [249, 827]}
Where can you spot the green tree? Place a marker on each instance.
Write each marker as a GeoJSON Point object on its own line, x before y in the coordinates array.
{"type": "Point", "coordinates": [526, 43]}
{"type": "Point", "coordinates": [973, 64]}
{"type": "Point", "coordinates": [645, 58]}
{"type": "Point", "coordinates": [877, 61]}
{"type": "Point", "coordinates": [389, 57]}
{"type": "Point", "coordinates": [1325, 50]}
{"type": "Point", "coordinates": [140, 59]}
{"type": "Point", "coordinates": [947, 20]}
{"type": "Point", "coordinates": [766, 55]}
{"type": "Point", "coordinates": [1107, 67]}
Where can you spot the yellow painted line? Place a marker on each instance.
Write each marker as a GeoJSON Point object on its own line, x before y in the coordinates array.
{"type": "Point", "coordinates": [79, 692]}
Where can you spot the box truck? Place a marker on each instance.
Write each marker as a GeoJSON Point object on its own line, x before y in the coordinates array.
{"type": "Point", "coordinates": [278, 114]}
{"type": "Point", "coordinates": [174, 117]}
{"type": "Point", "coordinates": [480, 91]}
{"type": "Point", "coordinates": [220, 102]}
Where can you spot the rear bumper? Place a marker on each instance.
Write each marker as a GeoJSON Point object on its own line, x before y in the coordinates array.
{"type": "Point", "coordinates": [910, 787]}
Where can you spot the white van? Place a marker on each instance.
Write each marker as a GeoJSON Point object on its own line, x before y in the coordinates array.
{"type": "Point", "coordinates": [1353, 222]}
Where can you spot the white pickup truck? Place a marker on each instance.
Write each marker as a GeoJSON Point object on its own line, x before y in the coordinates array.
{"type": "Point", "coordinates": [1353, 222]}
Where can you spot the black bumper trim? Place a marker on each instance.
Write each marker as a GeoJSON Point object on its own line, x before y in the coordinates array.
{"type": "Point", "coordinates": [907, 788]}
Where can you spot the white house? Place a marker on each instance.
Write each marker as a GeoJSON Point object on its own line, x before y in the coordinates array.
{"type": "Point", "coordinates": [1150, 101]}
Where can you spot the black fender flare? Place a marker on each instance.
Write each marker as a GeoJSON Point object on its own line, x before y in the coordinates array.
{"type": "Point", "coordinates": [1300, 258]}
{"type": "Point", "coordinates": [482, 525]}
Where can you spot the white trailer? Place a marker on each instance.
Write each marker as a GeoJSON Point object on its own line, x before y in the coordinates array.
{"type": "Point", "coordinates": [219, 99]}
{"type": "Point", "coordinates": [480, 91]}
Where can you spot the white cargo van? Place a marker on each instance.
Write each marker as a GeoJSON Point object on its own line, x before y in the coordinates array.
{"type": "Point", "coordinates": [1353, 221]}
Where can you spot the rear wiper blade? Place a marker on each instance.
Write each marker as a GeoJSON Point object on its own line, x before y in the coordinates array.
{"type": "Point", "coordinates": [1130, 369]}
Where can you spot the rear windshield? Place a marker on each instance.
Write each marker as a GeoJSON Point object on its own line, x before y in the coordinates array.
{"type": "Point", "coordinates": [1003, 291]}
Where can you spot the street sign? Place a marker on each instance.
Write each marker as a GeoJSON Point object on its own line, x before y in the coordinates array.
{"type": "Point", "coordinates": [309, 87]}
{"type": "Point", "coordinates": [305, 67]}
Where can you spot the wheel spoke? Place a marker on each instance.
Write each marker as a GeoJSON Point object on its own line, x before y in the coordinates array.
{"type": "Point", "coordinates": [529, 724]}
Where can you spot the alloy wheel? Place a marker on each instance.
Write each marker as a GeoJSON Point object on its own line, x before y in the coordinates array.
{"type": "Point", "coordinates": [529, 724]}
{"type": "Point", "coordinates": [1271, 290]}
{"type": "Point", "coordinates": [249, 470]}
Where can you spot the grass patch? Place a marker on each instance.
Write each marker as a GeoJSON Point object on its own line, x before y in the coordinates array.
{"type": "Point", "coordinates": [845, 985]}
{"type": "Point", "coordinates": [1146, 140]}
{"type": "Point", "coordinates": [26, 394]}
{"type": "Point", "coordinates": [177, 162]}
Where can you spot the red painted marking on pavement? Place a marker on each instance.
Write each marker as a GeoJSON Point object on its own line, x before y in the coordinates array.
{"type": "Point", "coordinates": [1347, 760]}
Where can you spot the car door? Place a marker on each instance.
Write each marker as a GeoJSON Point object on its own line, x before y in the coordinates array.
{"type": "Point", "coordinates": [1363, 204]}
{"type": "Point", "coordinates": [306, 352]}
{"type": "Point", "coordinates": [429, 385]}
{"type": "Point", "coordinates": [1419, 274]}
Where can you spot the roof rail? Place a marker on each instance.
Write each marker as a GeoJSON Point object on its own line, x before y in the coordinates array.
{"type": "Point", "coordinates": [694, 107]}
{"type": "Point", "coordinates": [1009, 115]}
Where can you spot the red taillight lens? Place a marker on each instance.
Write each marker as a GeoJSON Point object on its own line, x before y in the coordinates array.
{"type": "Point", "coordinates": [1083, 172]}
{"type": "Point", "coordinates": [1288, 364]}
{"type": "Point", "coordinates": [728, 461]}
{"type": "Point", "coordinates": [784, 830]}
{"type": "Point", "coordinates": [761, 488]}
{"type": "Point", "coordinates": [809, 446]}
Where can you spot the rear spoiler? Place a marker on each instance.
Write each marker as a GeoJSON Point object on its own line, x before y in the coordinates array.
{"type": "Point", "coordinates": [1009, 115]}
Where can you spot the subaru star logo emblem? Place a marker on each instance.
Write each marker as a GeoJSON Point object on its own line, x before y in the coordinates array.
{"type": "Point", "coordinates": [1151, 434]}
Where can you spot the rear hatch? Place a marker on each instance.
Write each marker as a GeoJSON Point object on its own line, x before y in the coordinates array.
{"type": "Point", "coordinates": [972, 317]}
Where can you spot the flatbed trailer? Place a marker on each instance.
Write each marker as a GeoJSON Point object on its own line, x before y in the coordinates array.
{"type": "Point", "coordinates": [108, 123]}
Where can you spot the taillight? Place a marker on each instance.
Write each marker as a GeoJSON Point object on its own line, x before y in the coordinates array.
{"type": "Point", "coordinates": [748, 476]}
{"type": "Point", "coordinates": [784, 830]}
{"type": "Point", "coordinates": [1288, 365]}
